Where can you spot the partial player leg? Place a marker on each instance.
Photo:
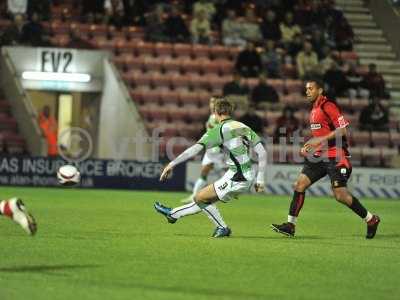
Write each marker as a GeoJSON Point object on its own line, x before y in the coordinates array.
{"type": "Point", "coordinates": [15, 209]}
{"type": "Point", "coordinates": [201, 182]}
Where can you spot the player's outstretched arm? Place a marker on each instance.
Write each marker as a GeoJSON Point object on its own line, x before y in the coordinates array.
{"type": "Point", "coordinates": [184, 156]}
{"type": "Point", "coordinates": [262, 164]}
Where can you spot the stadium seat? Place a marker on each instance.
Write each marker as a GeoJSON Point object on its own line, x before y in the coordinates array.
{"type": "Point", "coordinates": [356, 156]}
{"type": "Point", "coordinates": [200, 51]}
{"type": "Point", "coordinates": [361, 138]}
{"type": "Point", "coordinates": [218, 51]}
{"type": "Point", "coordinates": [170, 97]}
{"type": "Point", "coordinates": [190, 65]}
{"type": "Point", "coordinates": [388, 154]}
{"type": "Point", "coordinates": [152, 64]}
{"type": "Point", "coordinates": [163, 49]}
{"type": "Point", "coordinates": [359, 104]}
{"type": "Point", "coordinates": [395, 139]}
{"type": "Point", "coordinates": [134, 33]}
{"type": "Point", "coordinates": [182, 50]}
{"type": "Point", "coordinates": [380, 139]}
{"type": "Point", "coordinates": [144, 49]}
{"type": "Point", "coordinates": [189, 98]}
{"type": "Point", "coordinates": [371, 157]}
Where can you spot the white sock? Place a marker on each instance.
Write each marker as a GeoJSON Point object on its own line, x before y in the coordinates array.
{"type": "Point", "coordinates": [368, 217]}
{"type": "Point", "coordinates": [200, 183]}
{"type": "Point", "coordinates": [185, 210]}
{"type": "Point", "coordinates": [291, 219]}
{"type": "Point", "coordinates": [214, 215]}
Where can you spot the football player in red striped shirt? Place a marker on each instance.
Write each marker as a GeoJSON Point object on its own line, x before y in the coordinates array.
{"type": "Point", "coordinates": [325, 153]}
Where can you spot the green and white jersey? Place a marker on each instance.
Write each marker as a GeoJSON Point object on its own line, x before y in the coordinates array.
{"type": "Point", "coordinates": [237, 140]}
{"type": "Point", "coordinates": [211, 123]}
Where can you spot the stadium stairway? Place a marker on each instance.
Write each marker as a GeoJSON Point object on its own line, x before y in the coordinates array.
{"type": "Point", "coordinates": [371, 45]}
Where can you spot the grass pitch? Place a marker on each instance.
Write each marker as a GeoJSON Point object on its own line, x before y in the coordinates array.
{"type": "Point", "coordinates": [98, 244]}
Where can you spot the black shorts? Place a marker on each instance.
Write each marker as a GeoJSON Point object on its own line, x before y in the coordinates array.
{"type": "Point", "coordinates": [338, 172]}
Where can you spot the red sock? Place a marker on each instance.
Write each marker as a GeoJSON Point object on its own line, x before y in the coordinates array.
{"type": "Point", "coordinates": [7, 209]}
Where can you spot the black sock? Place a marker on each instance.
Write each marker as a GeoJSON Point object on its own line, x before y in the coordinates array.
{"type": "Point", "coordinates": [358, 208]}
{"type": "Point", "coordinates": [296, 204]}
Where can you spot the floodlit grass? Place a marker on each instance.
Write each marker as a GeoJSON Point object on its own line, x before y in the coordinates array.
{"type": "Point", "coordinates": [106, 244]}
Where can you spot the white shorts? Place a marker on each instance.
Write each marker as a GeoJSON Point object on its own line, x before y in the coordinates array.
{"type": "Point", "coordinates": [227, 189]}
{"type": "Point", "coordinates": [214, 157]}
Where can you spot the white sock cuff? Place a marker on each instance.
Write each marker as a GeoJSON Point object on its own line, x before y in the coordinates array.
{"type": "Point", "coordinates": [292, 219]}
{"type": "Point", "coordinates": [368, 217]}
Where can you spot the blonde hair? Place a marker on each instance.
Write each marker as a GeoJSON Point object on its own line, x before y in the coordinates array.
{"type": "Point", "coordinates": [222, 106]}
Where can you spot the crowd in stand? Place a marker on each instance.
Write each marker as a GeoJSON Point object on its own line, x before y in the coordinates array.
{"type": "Point", "coordinates": [305, 34]}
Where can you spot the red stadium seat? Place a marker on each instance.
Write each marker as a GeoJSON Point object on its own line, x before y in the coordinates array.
{"type": "Point", "coordinates": [191, 66]}
{"type": "Point", "coordinates": [201, 51]}
{"type": "Point", "coordinates": [152, 64]}
{"type": "Point", "coordinates": [218, 51]}
{"type": "Point", "coordinates": [371, 157]}
{"type": "Point", "coordinates": [182, 50]}
{"type": "Point", "coordinates": [189, 98]}
{"type": "Point", "coordinates": [356, 156]}
{"type": "Point", "coordinates": [361, 138]}
{"type": "Point", "coordinates": [395, 139]}
{"type": "Point", "coordinates": [380, 139]}
{"type": "Point", "coordinates": [171, 65]}
{"type": "Point", "coordinates": [163, 49]}
{"type": "Point", "coordinates": [359, 104]}
{"type": "Point", "coordinates": [144, 49]}
{"type": "Point", "coordinates": [388, 154]}
{"type": "Point", "coordinates": [179, 81]}
{"type": "Point", "coordinates": [170, 97]}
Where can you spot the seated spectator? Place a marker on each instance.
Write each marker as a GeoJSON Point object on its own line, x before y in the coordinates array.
{"type": "Point", "coordinates": [76, 42]}
{"type": "Point", "coordinates": [251, 119]}
{"type": "Point", "coordinates": [236, 86]}
{"type": "Point", "coordinates": [13, 34]}
{"type": "Point", "coordinates": [270, 27]}
{"type": "Point", "coordinates": [318, 41]}
{"type": "Point", "coordinates": [289, 29]}
{"type": "Point", "coordinates": [41, 8]}
{"type": "Point", "coordinates": [327, 59]}
{"type": "Point", "coordinates": [264, 95]}
{"type": "Point", "coordinates": [271, 60]}
{"type": "Point", "coordinates": [374, 83]}
{"type": "Point", "coordinates": [17, 7]}
{"type": "Point", "coordinates": [175, 27]}
{"type": "Point", "coordinates": [200, 28]}
{"type": "Point", "coordinates": [294, 47]}
{"type": "Point", "coordinates": [114, 12]}
{"type": "Point", "coordinates": [205, 6]}
{"type": "Point", "coordinates": [286, 125]}
{"type": "Point", "coordinates": [92, 10]}
{"type": "Point", "coordinates": [343, 35]}
{"type": "Point", "coordinates": [374, 116]}
{"type": "Point", "coordinates": [354, 80]}
{"type": "Point", "coordinates": [307, 62]}
{"type": "Point", "coordinates": [155, 29]}
{"type": "Point", "coordinates": [336, 81]}
{"type": "Point", "coordinates": [248, 62]}
{"type": "Point", "coordinates": [33, 33]}
{"type": "Point", "coordinates": [250, 29]}
{"type": "Point", "coordinates": [231, 30]}
{"type": "Point", "coordinates": [49, 126]}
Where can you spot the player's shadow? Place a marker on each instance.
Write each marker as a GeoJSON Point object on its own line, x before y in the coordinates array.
{"type": "Point", "coordinates": [45, 269]}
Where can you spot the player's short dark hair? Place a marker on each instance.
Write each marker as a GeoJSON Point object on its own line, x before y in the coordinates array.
{"type": "Point", "coordinates": [223, 107]}
{"type": "Point", "coordinates": [319, 83]}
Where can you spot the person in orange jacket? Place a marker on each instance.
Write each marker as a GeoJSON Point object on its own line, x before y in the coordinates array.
{"type": "Point", "coordinates": [50, 130]}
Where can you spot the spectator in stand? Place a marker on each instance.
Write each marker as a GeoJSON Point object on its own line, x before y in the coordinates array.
{"type": "Point", "coordinates": [231, 30]}
{"type": "Point", "coordinates": [374, 116]}
{"type": "Point", "coordinates": [336, 81]}
{"type": "Point", "coordinates": [343, 35]}
{"type": "Point", "coordinates": [77, 42]}
{"type": "Point", "coordinates": [248, 62]}
{"type": "Point", "coordinates": [13, 34]}
{"type": "Point", "coordinates": [354, 80]}
{"type": "Point", "coordinates": [93, 10]}
{"type": "Point", "coordinates": [263, 95]}
{"type": "Point", "coordinates": [319, 42]}
{"type": "Point", "coordinates": [270, 27]}
{"type": "Point", "coordinates": [251, 119]}
{"type": "Point", "coordinates": [33, 33]}
{"type": "Point", "coordinates": [200, 28]}
{"type": "Point", "coordinates": [134, 11]}
{"type": "Point", "coordinates": [289, 29]}
{"type": "Point", "coordinates": [48, 124]}
{"type": "Point", "coordinates": [41, 8]}
{"type": "Point", "coordinates": [155, 30]}
{"type": "Point", "coordinates": [17, 7]}
{"type": "Point", "coordinates": [250, 29]}
{"type": "Point", "coordinates": [295, 46]}
{"type": "Point", "coordinates": [286, 125]}
{"type": "Point", "coordinates": [327, 59]}
{"type": "Point", "coordinates": [374, 83]}
{"type": "Point", "coordinates": [236, 86]}
{"type": "Point", "coordinates": [307, 62]}
{"type": "Point", "coordinates": [114, 12]}
{"type": "Point", "coordinates": [175, 27]}
{"type": "Point", "coordinates": [271, 60]}
{"type": "Point", "coordinates": [205, 6]}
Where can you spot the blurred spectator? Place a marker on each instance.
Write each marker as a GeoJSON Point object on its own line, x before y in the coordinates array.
{"type": "Point", "coordinates": [231, 30]}
{"type": "Point", "coordinates": [289, 29]}
{"type": "Point", "coordinates": [270, 27]}
{"type": "Point", "coordinates": [40, 7]}
{"type": "Point", "coordinates": [374, 82]}
{"type": "Point", "coordinates": [93, 10]}
{"type": "Point", "coordinates": [77, 42]}
{"type": "Point", "coordinates": [336, 81]}
{"type": "Point", "coordinates": [251, 119]}
{"type": "Point", "coordinates": [286, 125]}
{"type": "Point", "coordinates": [155, 29]}
{"type": "Point", "coordinates": [205, 6]}
{"type": "Point", "coordinates": [307, 62]}
{"type": "Point", "coordinates": [343, 35]}
{"type": "Point", "coordinates": [271, 60]}
{"type": "Point", "coordinates": [295, 46]}
{"type": "Point", "coordinates": [354, 80]}
{"type": "Point", "coordinates": [236, 86]}
{"type": "Point", "coordinates": [114, 12]}
{"type": "Point", "coordinates": [248, 62]}
{"type": "Point", "coordinates": [374, 116]}
{"type": "Point", "coordinates": [33, 33]}
{"type": "Point", "coordinates": [250, 28]}
{"type": "Point", "coordinates": [134, 11]}
{"type": "Point", "coordinates": [13, 34]}
{"type": "Point", "coordinates": [263, 94]}
{"type": "Point", "coordinates": [327, 59]}
{"type": "Point", "coordinates": [175, 27]}
{"type": "Point", "coordinates": [48, 124]}
{"type": "Point", "coordinates": [319, 42]}
{"type": "Point", "coordinates": [16, 7]}
{"type": "Point", "coordinates": [200, 28]}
